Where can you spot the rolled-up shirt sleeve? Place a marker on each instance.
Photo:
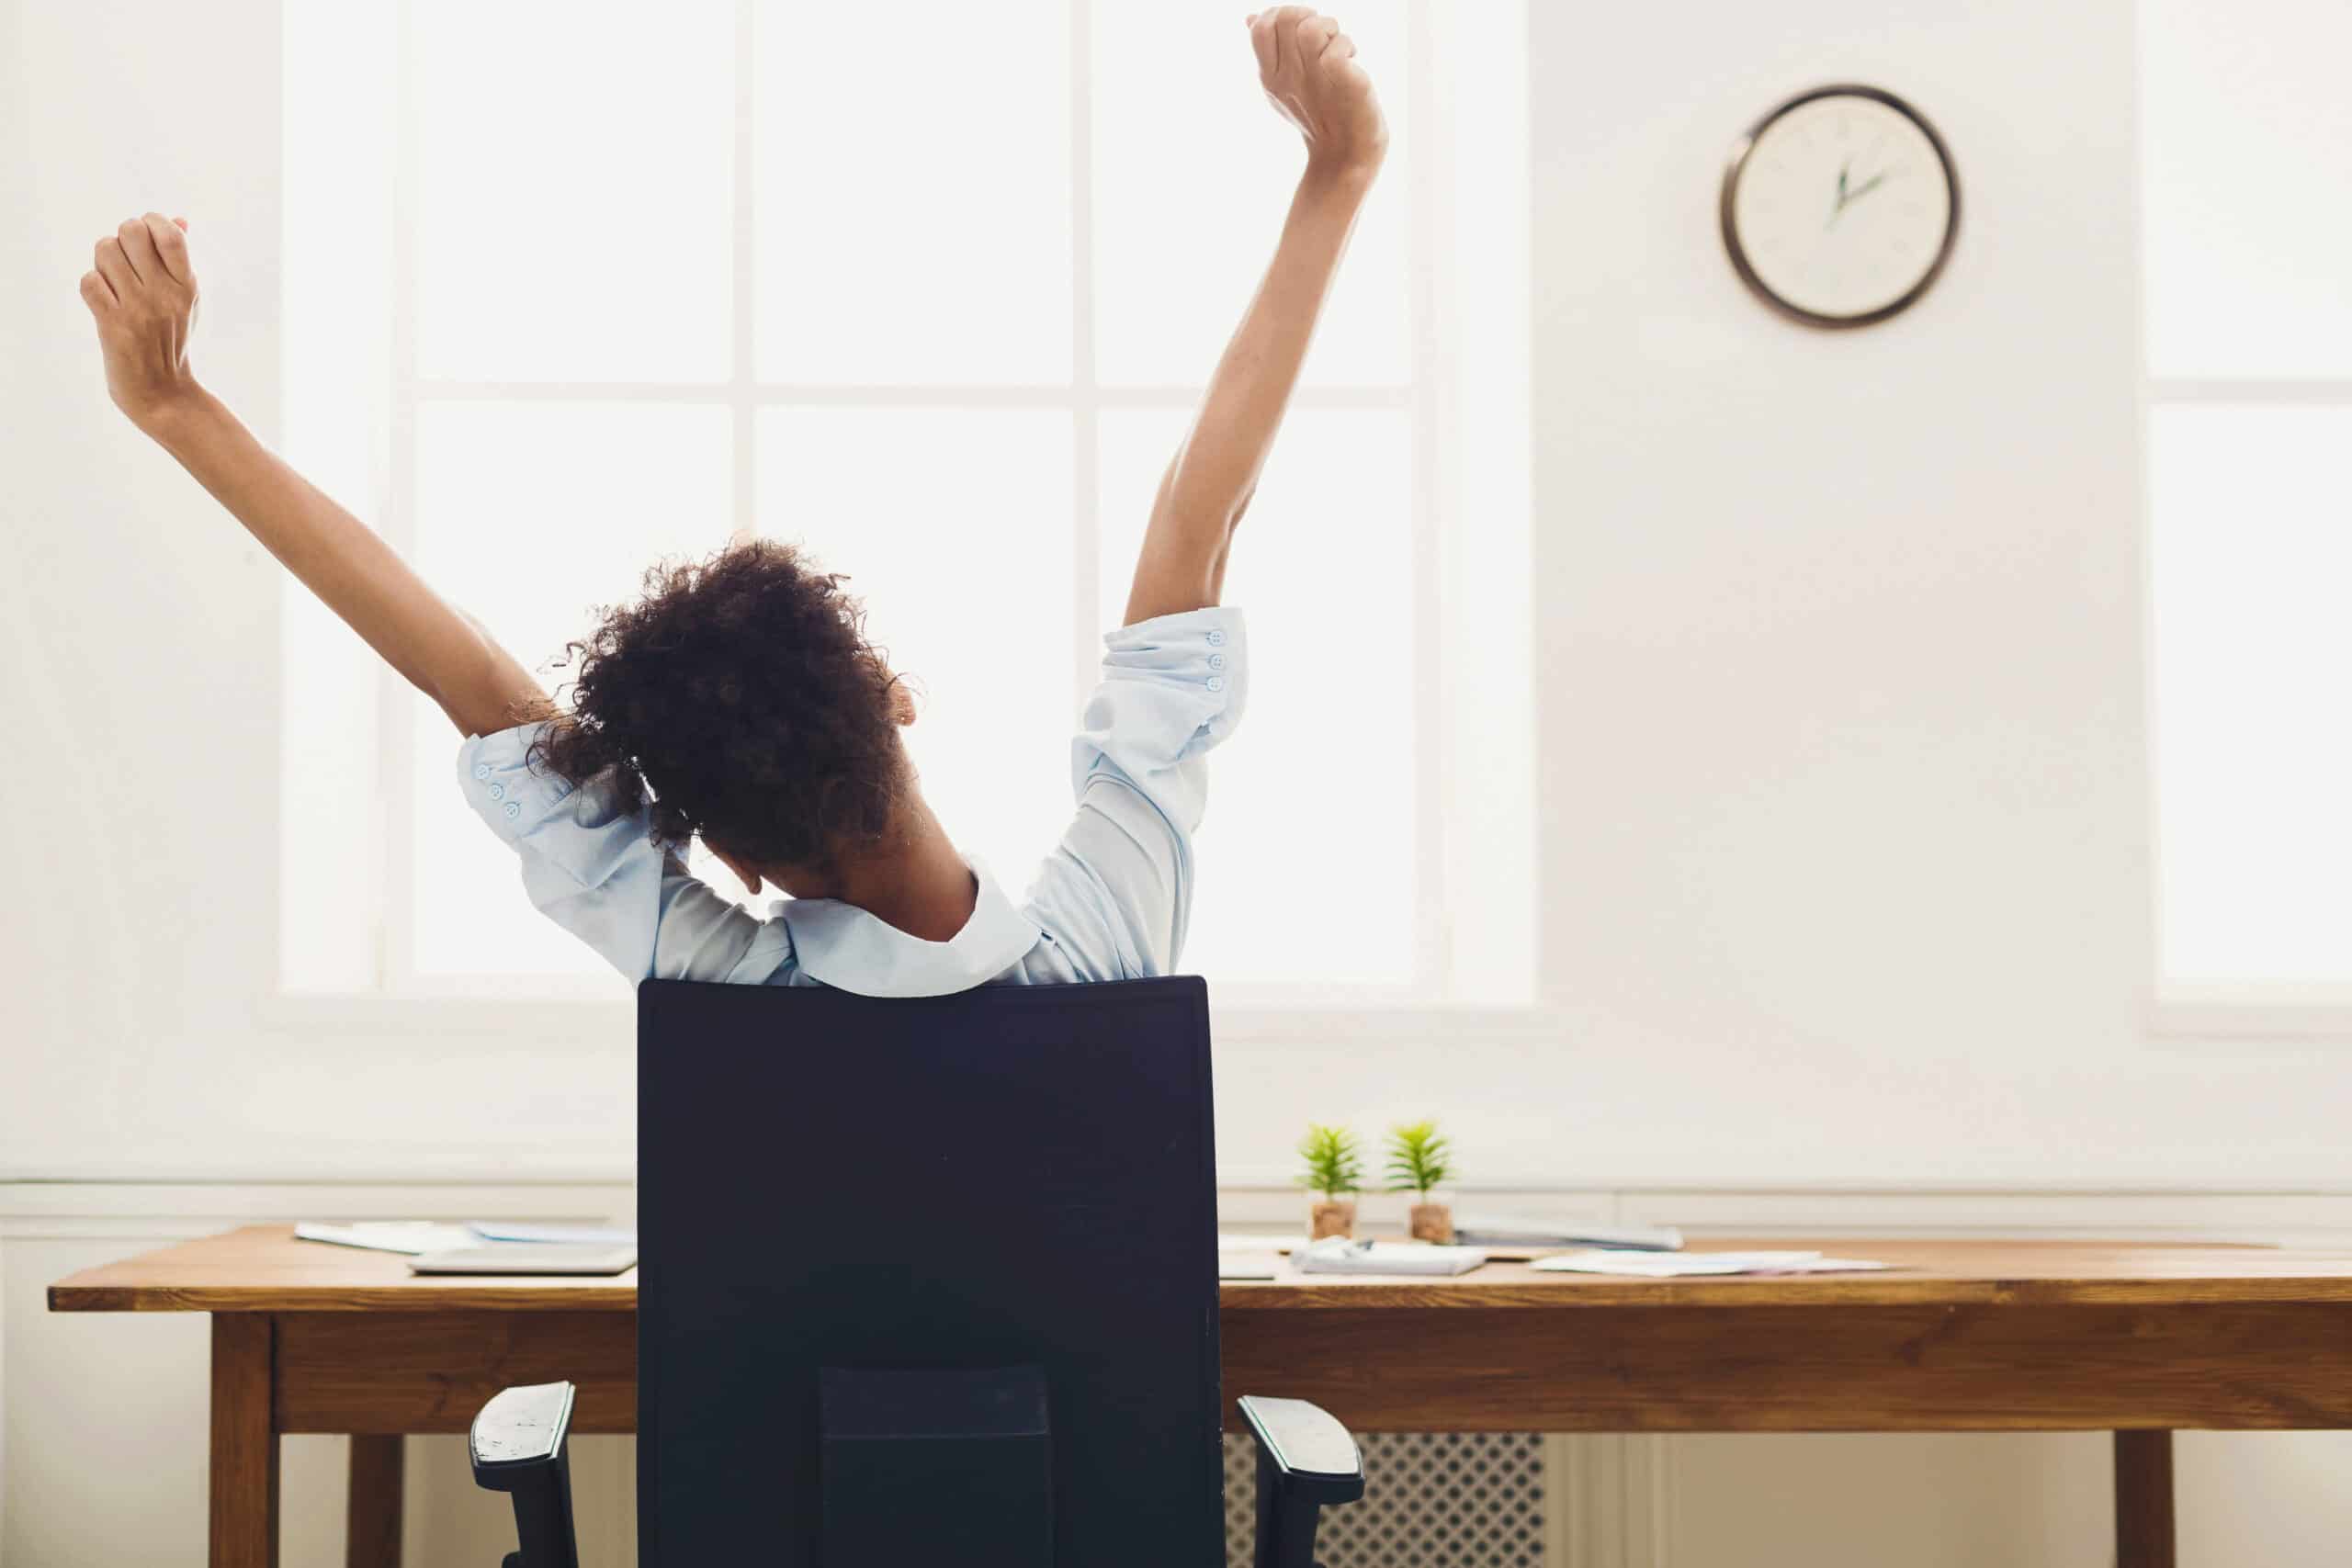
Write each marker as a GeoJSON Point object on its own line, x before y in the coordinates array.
{"type": "Point", "coordinates": [1172, 688]}
{"type": "Point", "coordinates": [590, 864]}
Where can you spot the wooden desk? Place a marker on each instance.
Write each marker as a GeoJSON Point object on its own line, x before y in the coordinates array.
{"type": "Point", "coordinates": [1966, 1337]}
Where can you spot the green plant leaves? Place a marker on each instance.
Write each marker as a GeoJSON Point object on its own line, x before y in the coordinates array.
{"type": "Point", "coordinates": [1419, 1158]}
{"type": "Point", "coordinates": [1334, 1163]}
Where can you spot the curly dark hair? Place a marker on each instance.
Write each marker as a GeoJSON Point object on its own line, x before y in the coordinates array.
{"type": "Point", "coordinates": [738, 694]}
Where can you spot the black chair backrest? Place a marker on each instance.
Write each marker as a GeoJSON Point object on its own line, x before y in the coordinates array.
{"type": "Point", "coordinates": [1016, 1178]}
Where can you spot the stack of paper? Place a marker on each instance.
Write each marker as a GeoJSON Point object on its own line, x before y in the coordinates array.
{"type": "Point", "coordinates": [415, 1236]}
{"type": "Point", "coordinates": [1486, 1229]}
{"type": "Point", "coordinates": [1662, 1266]}
{"type": "Point", "coordinates": [1338, 1255]}
{"type": "Point", "coordinates": [559, 1236]}
{"type": "Point", "coordinates": [411, 1236]}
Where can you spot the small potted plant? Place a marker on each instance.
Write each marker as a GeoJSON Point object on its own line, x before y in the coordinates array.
{"type": "Point", "coordinates": [1418, 1161]}
{"type": "Point", "coordinates": [1335, 1171]}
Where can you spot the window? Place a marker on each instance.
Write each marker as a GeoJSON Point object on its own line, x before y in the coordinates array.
{"type": "Point", "coordinates": [2249, 395]}
{"type": "Point", "coordinates": [566, 293]}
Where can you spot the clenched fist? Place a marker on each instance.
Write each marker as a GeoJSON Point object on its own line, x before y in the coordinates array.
{"type": "Point", "coordinates": [1308, 68]}
{"type": "Point", "coordinates": [142, 294]}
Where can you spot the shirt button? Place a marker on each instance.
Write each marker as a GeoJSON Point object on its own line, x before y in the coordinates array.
{"type": "Point", "coordinates": [513, 809]}
{"type": "Point", "coordinates": [1216, 683]}
{"type": "Point", "coordinates": [1216, 660]}
{"type": "Point", "coordinates": [481, 770]}
{"type": "Point", "coordinates": [1216, 639]}
{"type": "Point", "coordinates": [498, 792]}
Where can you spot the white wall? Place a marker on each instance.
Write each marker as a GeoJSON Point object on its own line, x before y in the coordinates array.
{"type": "Point", "coordinates": [1844, 738]}
{"type": "Point", "coordinates": [1846, 778]}
{"type": "Point", "coordinates": [1845, 810]}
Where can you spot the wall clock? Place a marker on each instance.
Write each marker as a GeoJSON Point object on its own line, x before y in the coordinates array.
{"type": "Point", "coordinates": [1839, 207]}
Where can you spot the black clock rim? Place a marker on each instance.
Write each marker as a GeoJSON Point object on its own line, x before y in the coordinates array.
{"type": "Point", "coordinates": [1738, 165]}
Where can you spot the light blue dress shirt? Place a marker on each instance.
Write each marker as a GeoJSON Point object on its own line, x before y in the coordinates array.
{"type": "Point", "coordinates": [1111, 902]}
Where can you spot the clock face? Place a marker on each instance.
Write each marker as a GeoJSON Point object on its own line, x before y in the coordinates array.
{"type": "Point", "coordinates": [1840, 206]}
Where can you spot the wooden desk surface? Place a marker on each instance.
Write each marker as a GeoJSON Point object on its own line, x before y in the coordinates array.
{"type": "Point", "coordinates": [262, 1269]}
{"type": "Point", "coordinates": [1963, 1337]}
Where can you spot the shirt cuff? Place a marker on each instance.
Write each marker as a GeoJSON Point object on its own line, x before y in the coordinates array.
{"type": "Point", "coordinates": [506, 792]}
{"type": "Point", "coordinates": [1172, 687]}
{"type": "Point", "coordinates": [588, 833]}
{"type": "Point", "coordinates": [1174, 684]}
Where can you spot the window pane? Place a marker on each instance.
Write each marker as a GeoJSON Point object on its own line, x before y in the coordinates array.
{"type": "Point", "coordinates": [2252, 547]}
{"type": "Point", "coordinates": [955, 526]}
{"type": "Point", "coordinates": [575, 191]}
{"type": "Point", "coordinates": [529, 515]}
{"type": "Point", "coordinates": [2244, 124]}
{"type": "Point", "coordinates": [1193, 172]}
{"type": "Point", "coordinates": [914, 226]}
{"type": "Point", "coordinates": [1308, 857]}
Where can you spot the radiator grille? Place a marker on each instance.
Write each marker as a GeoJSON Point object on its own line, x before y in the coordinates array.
{"type": "Point", "coordinates": [1432, 1500]}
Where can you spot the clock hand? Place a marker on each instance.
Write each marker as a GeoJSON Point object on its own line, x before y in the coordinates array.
{"type": "Point", "coordinates": [1847, 198]}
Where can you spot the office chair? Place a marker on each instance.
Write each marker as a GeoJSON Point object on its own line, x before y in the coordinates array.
{"type": "Point", "coordinates": [926, 1282]}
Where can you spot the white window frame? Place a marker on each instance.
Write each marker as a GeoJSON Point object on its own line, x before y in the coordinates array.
{"type": "Point", "coordinates": [2252, 1010]}
{"type": "Point", "coordinates": [1449, 446]}
{"type": "Point", "coordinates": [2247, 1009]}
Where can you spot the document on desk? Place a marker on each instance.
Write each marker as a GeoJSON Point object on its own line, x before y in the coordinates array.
{"type": "Point", "coordinates": [526, 1257]}
{"type": "Point", "coordinates": [1680, 1265]}
{"type": "Point", "coordinates": [411, 1237]}
{"type": "Point", "coordinates": [1338, 1255]}
{"type": "Point", "coordinates": [1244, 1241]}
{"type": "Point", "coordinates": [1483, 1228]}
{"type": "Point", "coordinates": [1243, 1257]}
{"type": "Point", "coordinates": [554, 1235]}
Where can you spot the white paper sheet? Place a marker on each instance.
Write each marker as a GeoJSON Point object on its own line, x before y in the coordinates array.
{"type": "Point", "coordinates": [1338, 1255]}
{"type": "Point", "coordinates": [411, 1237]}
{"type": "Point", "coordinates": [1674, 1265]}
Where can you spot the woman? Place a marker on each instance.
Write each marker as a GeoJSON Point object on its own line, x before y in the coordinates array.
{"type": "Point", "coordinates": [739, 701]}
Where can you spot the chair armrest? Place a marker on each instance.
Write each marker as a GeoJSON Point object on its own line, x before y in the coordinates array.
{"type": "Point", "coordinates": [517, 1447]}
{"type": "Point", "coordinates": [1306, 1461]}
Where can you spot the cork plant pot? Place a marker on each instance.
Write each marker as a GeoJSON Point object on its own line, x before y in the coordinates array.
{"type": "Point", "coordinates": [1330, 1216]}
{"type": "Point", "coordinates": [1332, 1177]}
{"type": "Point", "coordinates": [1421, 1161]}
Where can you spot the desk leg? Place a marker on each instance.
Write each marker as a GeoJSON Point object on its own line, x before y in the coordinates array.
{"type": "Point", "coordinates": [2143, 1537]}
{"type": "Point", "coordinates": [244, 1443]}
{"type": "Point", "coordinates": [372, 1539]}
